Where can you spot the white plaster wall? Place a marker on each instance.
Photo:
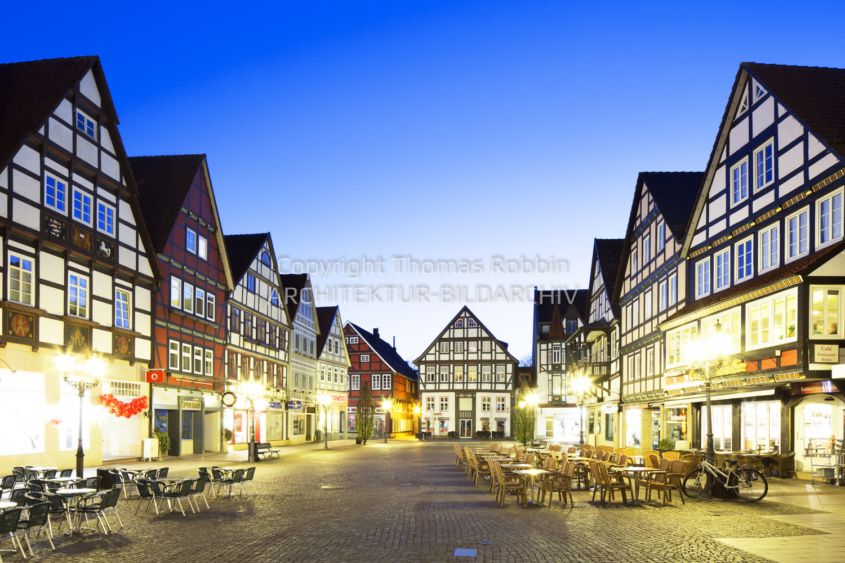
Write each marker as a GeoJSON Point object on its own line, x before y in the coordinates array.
{"type": "Point", "coordinates": [763, 116]}
{"type": "Point", "coordinates": [52, 300]}
{"type": "Point", "coordinates": [86, 150]}
{"type": "Point", "coordinates": [126, 258]}
{"type": "Point", "coordinates": [790, 160]}
{"type": "Point", "coordinates": [790, 185]}
{"type": "Point", "coordinates": [716, 228]}
{"type": "Point", "coordinates": [764, 200]}
{"type": "Point", "coordinates": [51, 331]}
{"type": "Point", "coordinates": [106, 143]}
{"type": "Point", "coordinates": [88, 87]}
{"type": "Point", "coordinates": [27, 186]}
{"type": "Point", "coordinates": [3, 204]}
{"type": "Point", "coordinates": [61, 134]}
{"type": "Point", "coordinates": [57, 168]}
{"type": "Point", "coordinates": [102, 285]}
{"type": "Point", "coordinates": [788, 130]}
{"type": "Point", "coordinates": [109, 165]}
{"type": "Point", "coordinates": [143, 323]}
{"type": "Point", "coordinates": [719, 181]}
{"type": "Point", "coordinates": [26, 215]}
{"type": "Point", "coordinates": [818, 167]}
{"type": "Point", "coordinates": [101, 313]}
{"type": "Point", "coordinates": [83, 182]}
{"type": "Point", "coordinates": [739, 215]}
{"type": "Point", "coordinates": [65, 111]}
{"type": "Point", "coordinates": [142, 298]}
{"type": "Point", "coordinates": [125, 212]}
{"type": "Point", "coordinates": [28, 158]}
{"type": "Point", "coordinates": [717, 207]}
{"type": "Point", "coordinates": [814, 146]}
{"type": "Point", "coordinates": [106, 195]}
{"type": "Point", "coordinates": [142, 349]}
{"type": "Point", "coordinates": [101, 341]}
{"type": "Point", "coordinates": [126, 234]}
{"type": "Point", "coordinates": [738, 136]}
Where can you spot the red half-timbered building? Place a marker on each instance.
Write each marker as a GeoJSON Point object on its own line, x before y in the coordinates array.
{"type": "Point", "coordinates": [375, 362]}
{"type": "Point", "coordinates": [179, 208]}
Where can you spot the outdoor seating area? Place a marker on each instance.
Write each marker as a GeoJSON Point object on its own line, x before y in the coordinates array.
{"type": "Point", "coordinates": [535, 476]}
{"type": "Point", "coordinates": [36, 502]}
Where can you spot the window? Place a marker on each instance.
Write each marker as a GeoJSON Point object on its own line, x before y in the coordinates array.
{"type": "Point", "coordinates": [797, 234]}
{"type": "Point", "coordinates": [635, 265]}
{"type": "Point", "coordinates": [677, 345]}
{"type": "Point", "coordinates": [459, 347]}
{"type": "Point", "coordinates": [761, 425]}
{"type": "Point", "coordinates": [646, 249]}
{"type": "Point", "coordinates": [744, 259]}
{"type": "Point", "coordinates": [86, 124]}
{"type": "Point", "coordinates": [176, 293]}
{"type": "Point", "coordinates": [355, 381]}
{"type": "Point", "coordinates": [471, 323]}
{"type": "Point", "coordinates": [472, 374]}
{"type": "Point", "coordinates": [459, 323]}
{"type": "Point", "coordinates": [739, 182]}
{"type": "Point", "coordinates": [386, 381]}
{"type": "Point", "coordinates": [55, 193]}
{"type": "Point", "coordinates": [173, 356]}
{"type": "Point", "coordinates": [430, 376]}
{"type": "Point", "coordinates": [472, 346]}
{"type": "Point", "coordinates": [197, 360]}
{"type": "Point", "coordinates": [500, 404]}
{"type": "Point", "coordinates": [826, 312]}
{"type": "Point", "coordinates": [723, 269]}
{"type": "Point", "coordinates": [486, 345]}
{"type": "Point", "coordinates": [248, 326]}
{"type": "Point", "coordinates": [77, 296]}
{"type": "Point", "coordinates": [444, 404]}
{"type": "Point", "coordinates": [444, 374]}
{"type": "Point", "coordinates": [250, 283]}
{"type": "Point", "coordinates": [663, 296]}
{"type": "Point", "coordinates": [105, 218]}
{"type": "Point", "coordinates": [444, 347]}
{"type": "Point", "coordinates": [721, 426]}
{"type": "Point", "coordinates": [202, 250]}
{"type": "Point", "coordinates": [235, 320]}
{"type": "Point", "coordinates": [274, 298]}
{"type": "Point", "coordinates": [209, 363]}
{"type": "Point", "coordinates": [647, 305]}
{"type": "Point", "coordinates": [188, 298]}
{"type": "Point", "coordinates": [186, 358]}
{"type": "Point", "coordinates": [769, 248]}
{"type": "Point", "coordinates": [649, 361]}
{"type": "Point", "coordinates": [121, 309]}
{"type": "Point", "coordinates": [486, 374]}
{"type": "Point", "coordinates": [365, 358]}
{"type": "Point", "coordinates": [459, 374]}
{"type": "Point", "coordinates": [261, 330]}
{"type": "Point", "coordinates": [661, 235]}
{"type": "Point", "coordinates": [199, 307]}
{"type": "Point", "coordinates": [485, 404]}
{"type": "Point", "coordinates": [82, 207]}
{"type": "Point", "coordinates": [353, 340]}
{"type": "Point", "coordinates": [764, 167]}
{"type": "Point", "coordinates": [210, 306]}
{"type": "Point", "coordinates": [191, 241]}
{"type": "Point", "coordinates": [771, 321]}
{"type": "Point", "coordinates": [702, 278]}
{"type": "Point", "coordinates": [730, 323]}
{"type": "Point", "coordinates": [571, 326]}
{"type": "Point", "coordinates": [429, 404]}
{"type": "Point", "coordinates": [375, 382]}
{"type": "Point", "coordinates": [673, 289]}
{"type": "Point", "coordinates": [556, 353]}
{"type": "Point", "coordinates": [20, 280]}
{"type": "Point", "coordinates": [829, 212]}
{"type": "Point", "coordinates": [500, 374]}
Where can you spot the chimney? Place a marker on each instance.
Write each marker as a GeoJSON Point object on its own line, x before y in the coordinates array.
{"type": "Point", "coordinates": [394, 343]}
{"type": "Point", "coordinates": [375, 332]}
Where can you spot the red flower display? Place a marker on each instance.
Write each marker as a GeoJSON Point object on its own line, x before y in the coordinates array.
{"type": "Point", "coordinates": [121, 408]}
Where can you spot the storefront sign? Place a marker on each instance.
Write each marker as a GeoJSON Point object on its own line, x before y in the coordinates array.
{"type": "Point", "coordinates": [191, 405]}
{"type": "Point", "coordinates": [155, 376]}
{"type": "Point", "coordinates": [274, 405]}
{"type": "Point", "coordinates": [609, 408]}
{"type": "Point", "coordinates": [339, 398]}
{"type": "Point", "coordinates": [815, 387]}
{"type": "Point", "coordinates": [294, 405]}
{"type": "Point", "coordinates": [826, 353]}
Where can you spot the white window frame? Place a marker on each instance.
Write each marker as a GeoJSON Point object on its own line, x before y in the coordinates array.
{"type": "Point", "coordinates": [199, 302]}
{"type": "Point", "coordinates": [84, 197]}
{"type": "Point", "coordinates": [677, 344]}
{"type": "Point", "coordinates": [663, 295]}
{"type": "Point", "coordinates": [486, 373]}
{"type": "Point", "coordinates": [365, 358]}
{"type": "Point", "coordinates": [444, 374]}
{"type": "Point", "coordinates": [191, 241]}
{"type": "Point", "coordinates": [737, 199]}
{"type": "Point", "coordinates": [836, 215]}
{"type": "Point", "coordinates": [87, 123]}
{"type": "Point", "coordinates": [769, 305]}
{"type": "Point", "coordinates": [386, 382]}
{"type": "Point", "coordinates": [485, 404]}
{"type": "Point", "coordinates": [354, 381]}
{"type": "Point", "coordinates": [472, 374]}
{"type": "Point", "coordinates": [210, 304]}
{"type": "Point", "coordinates": [187, 357]}
{"type": "Point", "coordinates": [375, 382]}
{"type": "Point", "coordinates": [176, 292]}
{"type": "Point", "coordinates": [501, 374]}
{"type": "Point", "coordinates": [673, 289]}
{"type": "Point", "coordinates": [459, 323]}
{"type": "Point", "coordinates": [429, 404]}
{"type": "Point", "coordinates": [122, 296]}
{"type": "Point", "coordinates": [826, 321]}
{"type": "Point", "coordinates": [83, 294]}
{"type": "Point", "coordinates": [444, 347]}
{"type": "Point", "coordinates": [790, 256]}
{"type": "Point", "coordinates": [556, 353]}
{"type": "Point", "coordinates": [209, 362]}
{"type": "Point", "coordinates": [731, 325]}
{"type": "Point", "coordinates": [60, 206]}
{"type": "Point", "coordinates": [646, 249]}
{"type": "Point", "coordinates": [744, 251]}
{"type": "Point", "coordinates": [197, 366]}
{"type": "Point", "coordinates": [188, 298]}
{"type": "Point", "coordinates": [649, 361]}
{"type": "Point", "coordinates": [770, 144]}
{"type": "Point", "coordinates": [105, 208]}
{"type": "Point", "coordinates": [22, 273]}
{"type": "Point", "coordinates": [430, 374]}
{"type": "Point", "coordinates": [722, 277]}
{"type": "Point", "coordinates": [471, 323]}
{"type": "Point", "coordinates": [635, 263]}
{"type": "Point", "coordinates": [647, 305]}
{"type": "Point", "coordinates": [202, 247]}
{"type": "Point", "coordinates": [472, 347]}
{"type": "Point", "coordinates": [702, 278]}
{"type": "Point", "coordinates": [173, 347]}
{"type": "Point", "coordinates": [501, 404]}
{"type": "Point", "coordinates": [661, 235]}
{"type": "Point", "coordinates": [773, 254]}
{"type": "Point", "coordinates": [459, 347]}
{"type": "Point", "coordinates": [459, 374]}
{"type": "Point", "coordinates": [486, 346]}
{"type": "Point", "coordinates": [444, 404]}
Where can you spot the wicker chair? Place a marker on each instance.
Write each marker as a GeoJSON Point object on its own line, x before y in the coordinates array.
{"type": "Point", "coordinates": [506, 484]}
{"type": "Point", "coordinates": [560, 483]}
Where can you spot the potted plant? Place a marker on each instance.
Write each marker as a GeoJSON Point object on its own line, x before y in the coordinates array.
{"type": "Point", "coordinates": [227, 437]}
{"type": "Point", "coordinates": [665, 444]}
{"type": "Point", "coordinates": [163, 443]}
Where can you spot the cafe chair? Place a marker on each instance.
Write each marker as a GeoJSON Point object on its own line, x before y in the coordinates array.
{"type": "Point", "coordinates": [145, 492]}
{"type": "Point", "coordinates": [99, 505]}
{"type": "Point", "coordinates": [38, 521]}
{"type": "Point", "coordinates": [66, 473]}
{"type": "Point", "coordinates": [249, 475]}
{"type": "Point", "coordinates": [198, 489]}
{"type": "Point", "coordinates": [57, 507]}
{"type": "Point", "coordinates": [8, 528]}
{"type": "Point", "coordinates": [610, 486]}
{"type": "Point", "coordinates": [182, 491]}
{"type": "Point", "coordinates": [162, 473]}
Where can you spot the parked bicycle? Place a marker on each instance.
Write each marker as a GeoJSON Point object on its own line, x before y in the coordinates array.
{"type": "Point", "coordinates": [749, 484]}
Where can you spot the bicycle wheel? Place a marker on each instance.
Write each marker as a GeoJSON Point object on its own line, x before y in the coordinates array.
{"type": "Point", "coordinates": [698, 483]}
{"type": "Point", "coordinates": [751, 485]}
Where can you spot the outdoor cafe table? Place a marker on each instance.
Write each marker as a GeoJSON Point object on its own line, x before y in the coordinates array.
{"type": "Point", "coordinates": [68, 496]}
{"type": "Point", "coordinates": [7, 504]}
{"type": "Point", "coordinates": [634, 472]}
{"type": "Point", "coordinates": [42, 470]}
{"type": "Point", "coordinates": [529, 475]}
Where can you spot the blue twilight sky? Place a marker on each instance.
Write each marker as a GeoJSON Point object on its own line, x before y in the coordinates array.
{"type": "Point", "coordinates": [487, 134]}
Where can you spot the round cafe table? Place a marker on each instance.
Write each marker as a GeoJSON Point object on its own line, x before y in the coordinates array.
{"type": "Point", "coordinates": [68, 496]}
{"type": "Point", "coordinates": [529, 475]}
{"type": "Point", "coordinates": [7, 504]}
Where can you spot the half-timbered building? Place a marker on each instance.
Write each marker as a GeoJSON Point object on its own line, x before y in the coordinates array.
{"type": "Point", "coordinates": [257, 335]}
{"type": "Point", "coordinates": [651, 286]}
{"type": "Point", "coordinates": [557, 315]}
{"type": "Point", "coordinates": [298, 298]}
{"type": "Point", "coordinates": [765, 253]}
{"type": "Point", "coordinates": [377, 363]}
{"type": "Point", "coordinates": [180, 211]}
{"type": "Point", "coordinates": [333, 364]}
{"type": "Point", "coordinates": [466, 380]}
{"type": "Point", "coordinates": [594, 350]}
{"type": "Point", "coordinates": [77, 273]}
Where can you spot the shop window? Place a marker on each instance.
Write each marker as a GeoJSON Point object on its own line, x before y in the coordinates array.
{"type": "Point", "coordinates": [721, 427]}
{"type": "Point", "coordinates": [608, 427]}
{"type": "Point", "coordinates": [677, 423]}
{"type": "Point", "coordinates": [22, 415]}
{"type": "Point", "coordinates": [826, 312]}
{"type": "Point", "coordinates": [761, 426]}
{"type": "Point", "coordinates": [633, 427]}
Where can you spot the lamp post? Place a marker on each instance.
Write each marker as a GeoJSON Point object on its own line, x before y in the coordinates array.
{"type": "Point", "coordinates": [325, 400]}
{"type": "Point", "coordinates": [713, 345]}
{"type": "Point", "coordinates": [387, 404]}
{"type": "Point", "coordinates": [252, 390]}
{"type": "Point", "coordinates": [81, 377]}
{"type": "Point", "coordinates": [417, 411]}
{"type": "Point", "coordinates": [581, 384]}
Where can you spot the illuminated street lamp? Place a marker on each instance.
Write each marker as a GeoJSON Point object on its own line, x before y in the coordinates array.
{"type": "Point", "coordinates": [325, 400]}
{"type": "Point", "coordinates": [714, 345]}
{"type": "Point", "coordinates": [81, 377]}
{"type": "Point", "coordinates": [252, 390]}
{"type": "Point", "coordinates": [580, 385]}
{"type": "Point", "coordinates": [387, 405]}
{"type": "Point", "coordinates": [417, 411]}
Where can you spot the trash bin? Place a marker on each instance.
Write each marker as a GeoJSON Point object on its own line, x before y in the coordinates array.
{"type": "Point", "coordinates": [318, 436]}
{"type": "Point", "coordinates": [105, 479]}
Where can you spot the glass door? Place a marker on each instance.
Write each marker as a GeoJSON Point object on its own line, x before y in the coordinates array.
{"type": "Point", "coordinates": [466, 428]}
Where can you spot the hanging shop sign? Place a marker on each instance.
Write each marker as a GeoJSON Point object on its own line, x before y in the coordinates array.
{"type": "Point", "coordinates": [275, 405]}
{"type": "Point", "coordinates": [294, 405]}
{"type": "Point", "coordinates": [229, 399]}
{"type": "Point", "coordinates": [826, 353]}
{"type": "Point", "coordinates": [609, 408]}
{"type": "Point", "coordinates": [155, 376]}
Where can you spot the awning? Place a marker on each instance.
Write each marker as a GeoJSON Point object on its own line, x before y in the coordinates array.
{"type": "Point", "coordinates": [713, 397]}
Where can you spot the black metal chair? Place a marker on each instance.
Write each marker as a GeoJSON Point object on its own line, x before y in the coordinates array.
{"type": "Point", "coordinates": [91, 483]}
{"type": "Point", "coordinates": [49, 474]}
{"type": "Point", "coordinates": [18, 497]}
{"type": "Point", "coordinates": [216, 479]}
{"type": "Point", "coordinates": [99, 505]}
{"type": "Point", "coordinates": [9, 527]}
{"type": "Point", "coordinates": [145, 491]}
{"type": "Point", "coordinates": [249, 475]}
{"type": "Point", "coordinates": [198, 489]}
{"type": "Point", "coordinates": [182, 490]}
{"type": "Point", "coordinates": [151, 474]}
{"type": "Point", "coordinates": [235, 479]}
{"type": "Point", "coordinates": [38, 521]}
{"type": "Point", "coordinates": [57, 507]}
{"type": "Point", "coordinates": [7, 484]}
{"type": "Point", "coordinates": [162, 473]}
{"type": "Point", "coordinates": [66, 473]}
{"type": "Point", "coordinates": [128, 483]}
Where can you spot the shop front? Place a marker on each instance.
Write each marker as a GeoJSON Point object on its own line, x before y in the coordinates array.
{"type": "Point", "coordinates": [819, 423]}
{"type": "Point", "coordinates": [179, 413]}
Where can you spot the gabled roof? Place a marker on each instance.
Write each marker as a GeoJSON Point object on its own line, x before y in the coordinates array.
{"type": "Point", "coordinates": [31, 91]}
{"type": "Point", "coordinates": [674, 195]}
{"type": "Point", "coordinates": [480, 324]}
{"type": "Point", "coordinates": [386, 352]}
{"type": "Point", "coordinates": [325, 318]}
{"type": "Point", "coordinates": [292, 286]}
{"type": "Point", "coordinates": [608, 253]}
{"type": "Point", "coordinates": [546, 300]}
{"type": "Point", "coordinates": [242, 250]}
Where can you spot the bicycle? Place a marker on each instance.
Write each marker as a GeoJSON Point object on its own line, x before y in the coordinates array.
{"type": "Point", "coordinates": [750, 485]}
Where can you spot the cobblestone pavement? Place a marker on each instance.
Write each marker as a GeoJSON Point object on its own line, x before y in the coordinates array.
{"type": "Point", "coordinates": [407, 501]}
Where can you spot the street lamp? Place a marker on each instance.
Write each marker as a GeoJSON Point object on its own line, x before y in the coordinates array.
{"type": "Point", "coordinates": [417, 411]}
{"type": "Point", "coordinates": [325, 400]}
{"type": "Point", "coordinates": [81, 377]}
{"type": "Point", "coordinates": [529, 401]}
{"type": "Point", "coordinates": [580, 385]}
{"type": "Point", "coordinates": [715, 345]}
{"type": "Point", "coordinates": [386, 404]}
{"type": "Point", "coordinates": [252, 390]}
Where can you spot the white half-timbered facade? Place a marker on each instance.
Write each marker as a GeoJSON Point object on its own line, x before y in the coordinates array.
{"type": "Point", "coordinates": [651, 287]}
{"type": "Point", "coordinates": [333, 365]}
{"type": "Point", "coordinates": [76, 272]}
{"type": "Point", "coordinates": [466, 380]}
{"type": "Point", "coordinates": [258, 335]}
{"type": "Point", "coordinates": [298, 298]}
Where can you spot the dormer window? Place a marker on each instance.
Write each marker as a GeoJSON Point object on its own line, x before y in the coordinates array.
{"type": "Point", "coordinates": [544, 328]}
